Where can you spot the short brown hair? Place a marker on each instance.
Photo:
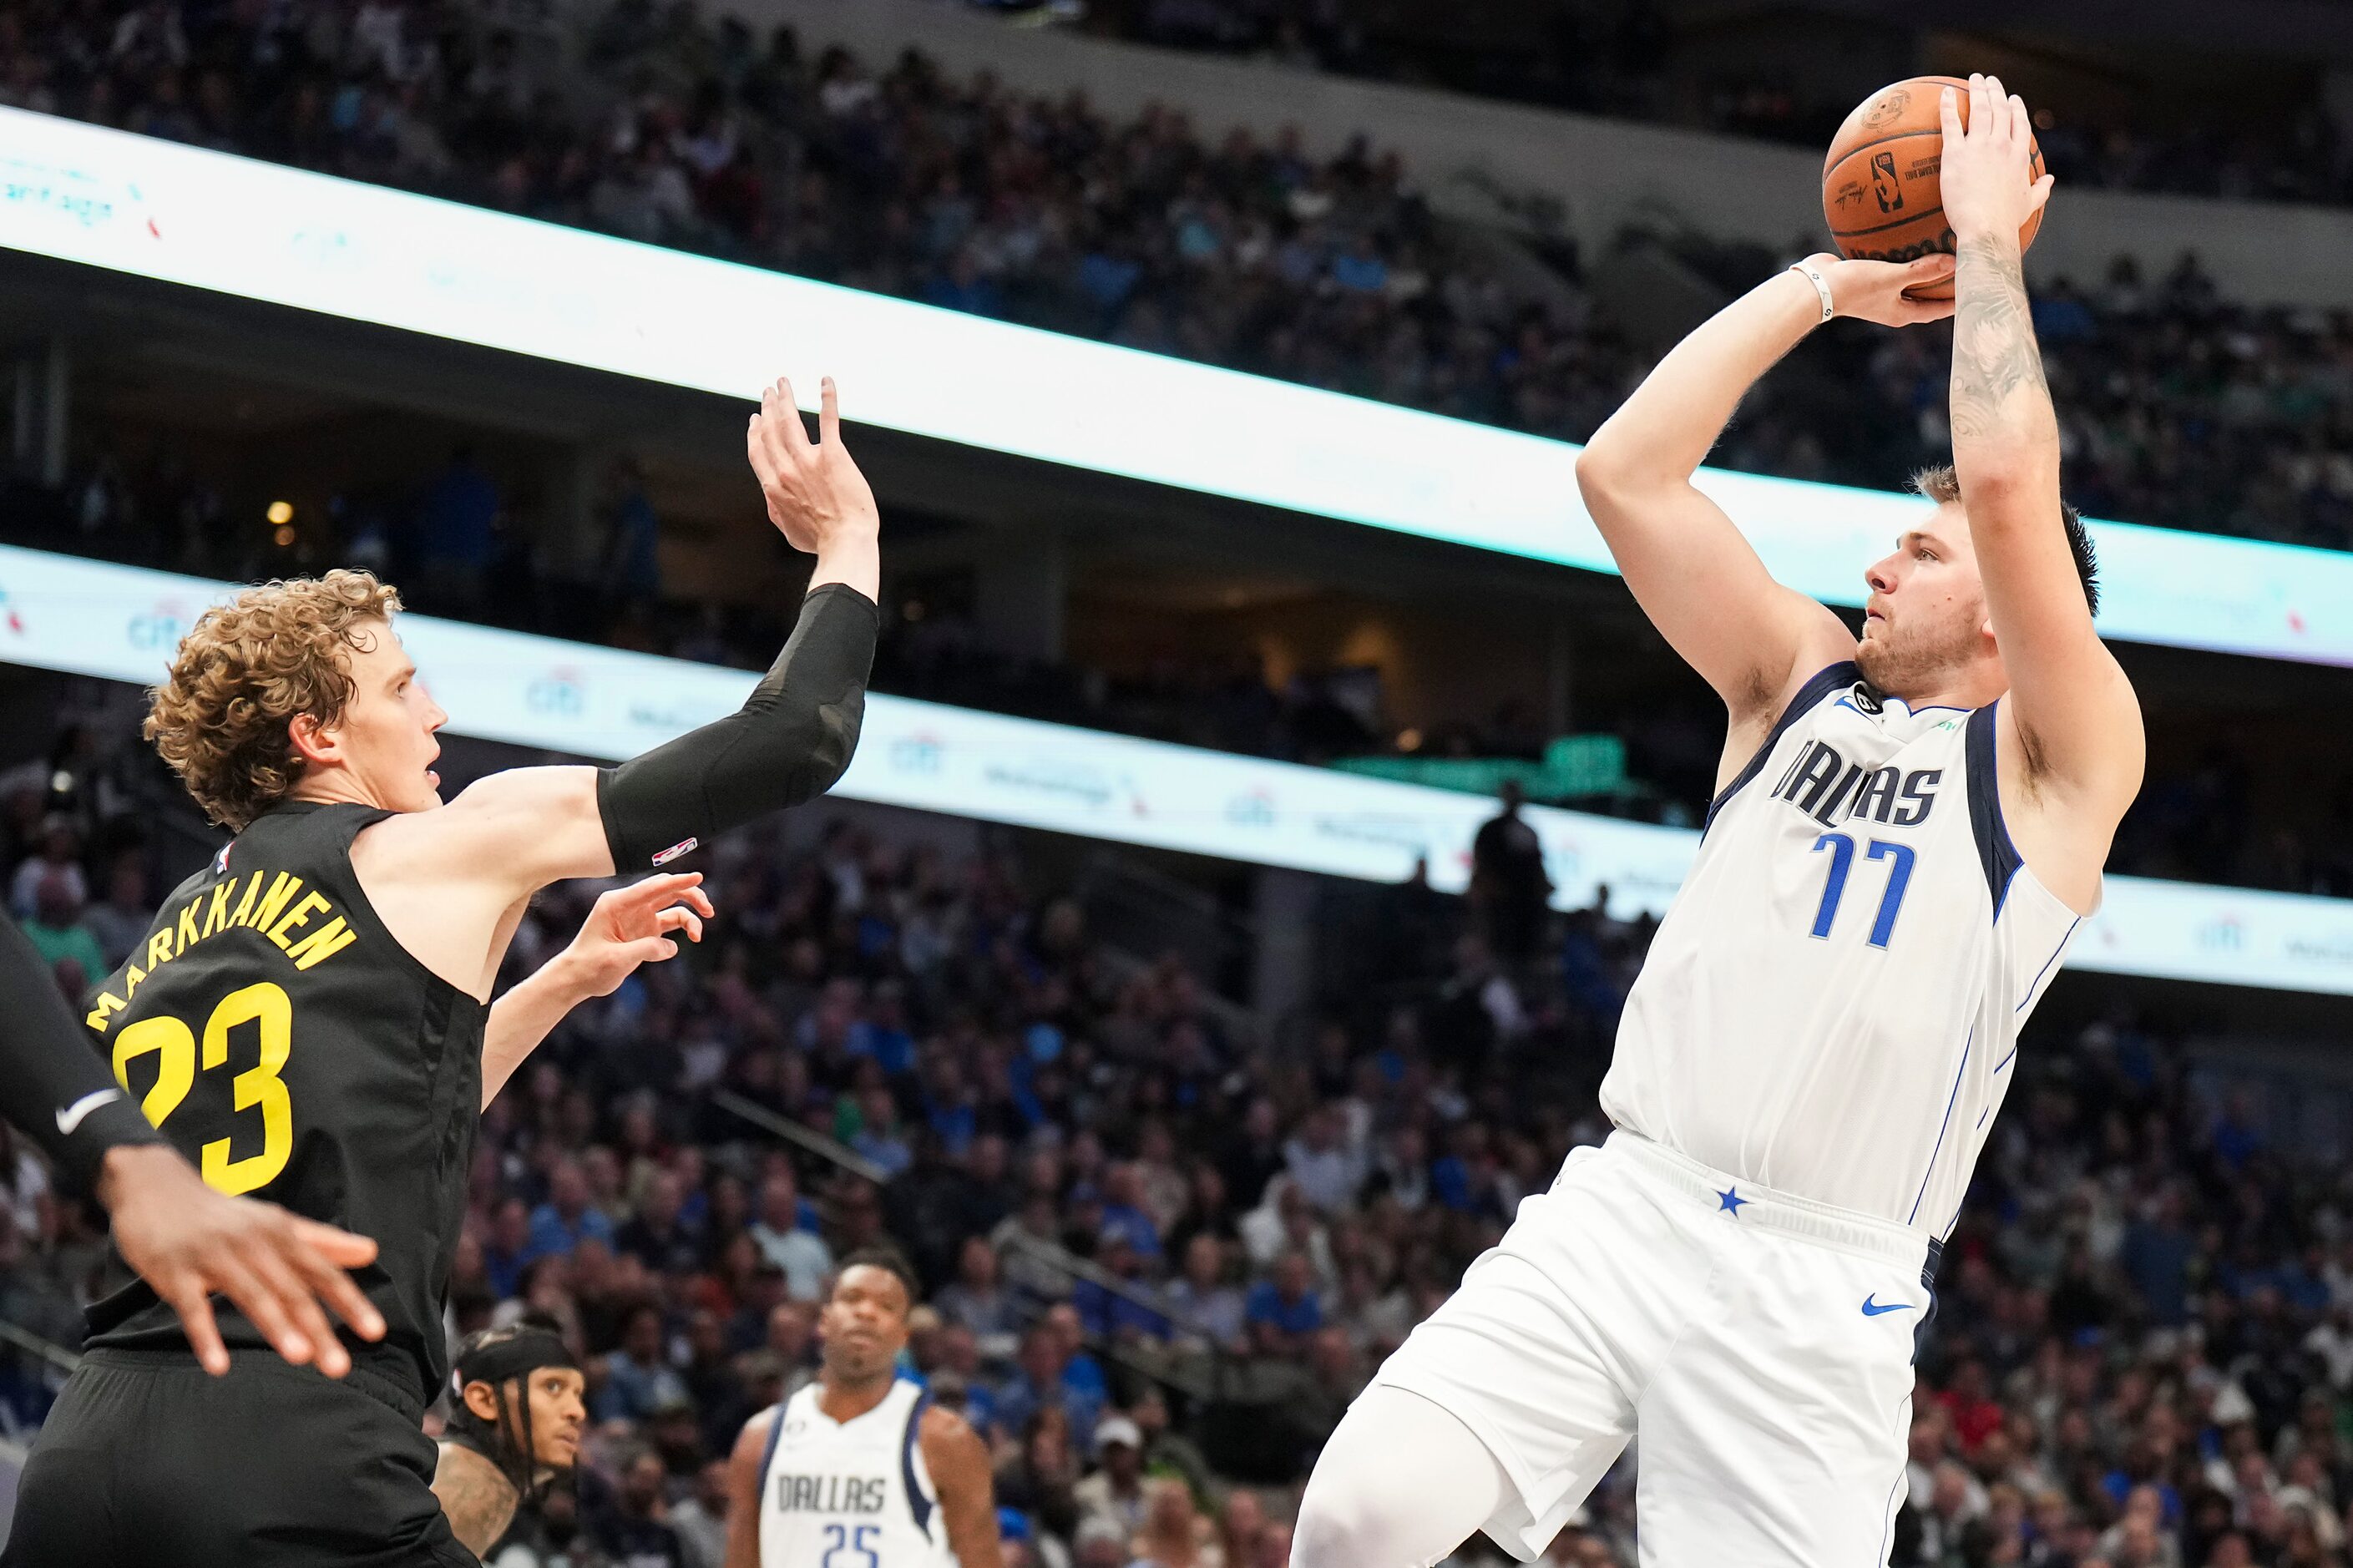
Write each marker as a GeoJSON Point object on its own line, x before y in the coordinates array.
{"type": "Point", "coordinates": [242, 674]}
{"type": "Point", "coordinates": [1942, 485]}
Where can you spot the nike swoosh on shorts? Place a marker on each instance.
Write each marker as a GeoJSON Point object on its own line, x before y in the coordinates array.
{"type": "Point", "coordinates": [1872, 1306]}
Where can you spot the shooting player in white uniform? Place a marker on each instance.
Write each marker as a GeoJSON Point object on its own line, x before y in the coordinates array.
{"type": "Point", "coordinates": [860, 1469]}
{"type": "Point", "coordinates": [1909, 829]}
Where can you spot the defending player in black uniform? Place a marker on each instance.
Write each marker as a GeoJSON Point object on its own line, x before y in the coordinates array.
{"type": "Point", "coordinates": [183, 1239]}
{"type": "Point", "coordinates": [307, 1021]}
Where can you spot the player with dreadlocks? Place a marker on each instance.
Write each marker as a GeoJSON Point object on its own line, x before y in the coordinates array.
{"type": "Point", "coordinates": [514, 1429]}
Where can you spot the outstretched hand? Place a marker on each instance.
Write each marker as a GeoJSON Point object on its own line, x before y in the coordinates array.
{"type": "Point", "coordinates": [632, 925]}
{"type": "Point", "coordinates": [188, 1241]}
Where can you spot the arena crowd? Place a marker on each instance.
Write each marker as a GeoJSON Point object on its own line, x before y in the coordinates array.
{"type": "Point", "coordinates": [2180, 409]}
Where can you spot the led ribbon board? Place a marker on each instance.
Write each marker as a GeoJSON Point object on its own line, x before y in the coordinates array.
{"type": "Point", "coordinates": [121, 623]}
{"type": "Point", "coordinates": [158, 209]}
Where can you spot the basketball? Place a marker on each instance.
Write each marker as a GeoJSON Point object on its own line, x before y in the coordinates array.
{"type": "Point", "coordinates": [1880, 195]}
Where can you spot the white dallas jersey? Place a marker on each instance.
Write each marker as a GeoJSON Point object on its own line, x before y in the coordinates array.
{"type": "Point", "coordinates": [1831, 1006]}
{"type": "Point", "coordinates": [849, 1494]}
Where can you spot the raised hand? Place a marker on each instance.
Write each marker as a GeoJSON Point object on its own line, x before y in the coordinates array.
{"type": "Point", "coordinates": [815, 493]}
{"type": "Point", "coordinates": [1987, 173]}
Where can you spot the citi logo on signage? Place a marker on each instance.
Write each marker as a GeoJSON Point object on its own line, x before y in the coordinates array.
{"type": "Point", "coordinates": [916, 753]}
{"type": "Point", "coordinates": [1253, 808]}
{"type": "Point", "coordinates": [558, 694]}
{"type": "Point", "coordinates": [2225, 934]}
{"type": "Point", "coordinates": [160, 626]}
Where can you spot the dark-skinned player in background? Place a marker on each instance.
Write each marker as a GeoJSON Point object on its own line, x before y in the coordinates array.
{"type": "Point", "coordinates": [860, 1467]}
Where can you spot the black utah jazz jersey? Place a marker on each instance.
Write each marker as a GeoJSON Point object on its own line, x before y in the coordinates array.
{"type": "Point", "coordinates": [285, 1043]}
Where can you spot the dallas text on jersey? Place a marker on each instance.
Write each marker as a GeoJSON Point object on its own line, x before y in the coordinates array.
{"type": "Point", "coordinates": [833, 1494]}
{"type": "Point", "coordinates": [1827, 781]}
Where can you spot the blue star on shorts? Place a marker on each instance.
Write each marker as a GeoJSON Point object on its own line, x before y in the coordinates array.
{"type": "Point", "coordinates": [1729, 1201]}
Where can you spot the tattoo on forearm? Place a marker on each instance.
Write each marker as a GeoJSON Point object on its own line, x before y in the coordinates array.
{"type": "Point", "coordinates": [1994, 354]}
{"type": "Point", "coordinates": [478, 1498]}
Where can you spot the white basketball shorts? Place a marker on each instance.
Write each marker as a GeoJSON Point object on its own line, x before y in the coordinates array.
{"type": "Point", "coordinates": [1758, 1345]}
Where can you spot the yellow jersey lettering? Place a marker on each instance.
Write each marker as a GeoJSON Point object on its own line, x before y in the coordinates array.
{"type": "Point", "coordinates": [295, 917]}
{"type": "Point", "coordinates": [216, 913]}
{"type": "Point", "coordinates": [100, 1016]}
{"type": "Point", "coordinates": [131, 979]}
{"type": "Point", "coordinates": [159, 948]}
{"type": "Point", "coordinates": [275, 900]}
{"type": "Point", "coordinates": [186, 929]}
{"type": "Point", "coordinates": [244, 916]}
{"type": "Point", "coordinates": [323, 943]}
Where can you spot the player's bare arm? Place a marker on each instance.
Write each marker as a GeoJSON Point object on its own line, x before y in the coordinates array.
{"type": "Point", "coordinates": [958, 1461]}
{"type": "Point", "coordinates": [743, 1491]}
{"type": "Point", "coordinates": [1688, 565]}
{"type": "Point", "coordinates": [450, 883]}
{"type": "Point", "coordinates": [627, 927]}
{"type": "Point", "coordinates": [476, 1494]}
{"type": "Point", "coordinates": [2071, 748]}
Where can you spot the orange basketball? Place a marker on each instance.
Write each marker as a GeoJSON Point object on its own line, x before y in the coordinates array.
{"type": "Point", "coordinates": [1879, 182]}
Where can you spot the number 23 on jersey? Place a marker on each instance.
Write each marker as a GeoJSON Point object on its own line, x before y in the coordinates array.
{"type": "Point", "coordinates": [259, 1087]}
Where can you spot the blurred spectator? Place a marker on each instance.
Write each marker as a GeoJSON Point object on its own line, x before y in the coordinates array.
{"type": "Point", "coordinates": [456, 536]}
{"type": "Point", "coordinates": [1114, 1493]}
{"type": "Point", "coordinates": [1509, 885]}
{"type": "Point", "coordinates": [700, 1520]}
{"type": "Point", "coordinates": [787, 1239]}
{"type": "Point", "coordinates": [567, 1217]}
{"type": "Point", "coordinates": [635, 1529]}
{"type": "Point", "coordinates": [64, 944]}
{"type": "Point", "coordinates": [1283, 1310]}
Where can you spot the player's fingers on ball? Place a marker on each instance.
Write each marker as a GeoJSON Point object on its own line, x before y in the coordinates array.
{"type": "Point", "coordinates": [2042, 192]}
{"type": "Point", "coordinates": [1948, 109]}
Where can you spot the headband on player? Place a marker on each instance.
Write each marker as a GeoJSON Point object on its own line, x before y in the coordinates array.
{"type": "Point", "coordinates": [498, 1358]}
{"type": "Point", "coordinates": [518, 1355]}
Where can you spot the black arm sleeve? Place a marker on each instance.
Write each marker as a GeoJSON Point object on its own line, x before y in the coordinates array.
{"type": "Point", "coordinates": [53, 1087]}
{"type": "Point", "coordinates": [787, 745]}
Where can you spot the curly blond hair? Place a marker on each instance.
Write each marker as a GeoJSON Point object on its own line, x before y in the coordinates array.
{"type": "Point", "coordinates": [242, 674]}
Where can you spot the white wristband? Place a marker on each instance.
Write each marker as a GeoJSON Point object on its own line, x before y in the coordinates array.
{"type": "Point", "coordinates": [1813, 275]}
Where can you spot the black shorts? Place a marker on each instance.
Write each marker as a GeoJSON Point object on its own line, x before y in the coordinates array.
{"type": "Point", "coordinates": [148, 1459]}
